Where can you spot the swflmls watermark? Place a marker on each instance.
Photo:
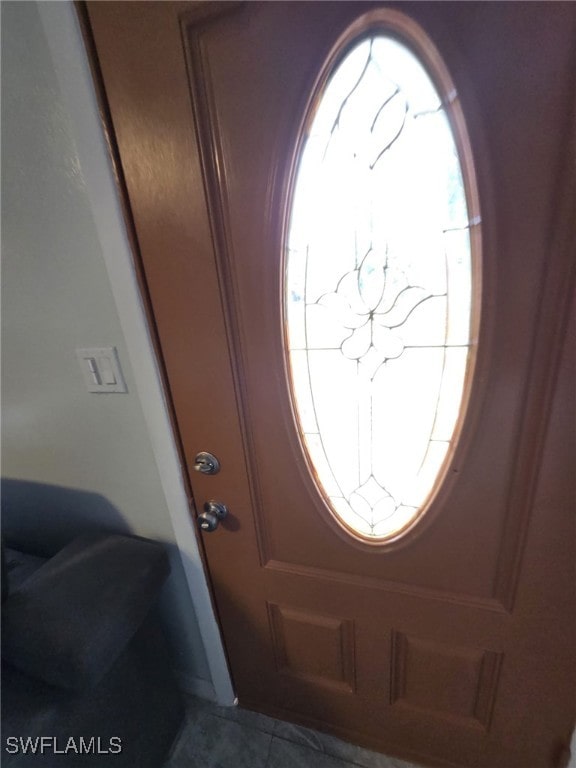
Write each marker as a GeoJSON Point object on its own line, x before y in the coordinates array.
{"type": "Point", "coordinates": [73, 745]}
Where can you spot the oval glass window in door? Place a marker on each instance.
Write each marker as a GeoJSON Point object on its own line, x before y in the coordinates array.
{"type": "Point", "coordinates": [380, 282]}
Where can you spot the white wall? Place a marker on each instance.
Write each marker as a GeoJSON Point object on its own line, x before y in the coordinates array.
{"type": "Point", "coordinates": [77, 460]}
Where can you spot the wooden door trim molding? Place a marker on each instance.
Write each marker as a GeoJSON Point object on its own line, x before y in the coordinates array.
{"type": "Point", "coordinates": [193, 25]}
{"type": "Point", "coordinates": [553, 312]}
{"type": "Point", "coordinates": [461, 599]}
{"type": "Point", "coordinates": [202, 13]}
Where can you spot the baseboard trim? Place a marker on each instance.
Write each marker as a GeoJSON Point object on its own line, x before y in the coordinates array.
{"type": "Point", "coordinates": [196, 686]}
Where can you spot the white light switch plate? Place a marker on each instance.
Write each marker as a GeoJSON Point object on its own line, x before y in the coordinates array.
{"type": "Point", "coordinates": [101, 369]}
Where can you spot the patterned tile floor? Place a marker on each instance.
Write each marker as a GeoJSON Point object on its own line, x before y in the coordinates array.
{"type": "Point", "coordinates": [230, 737]}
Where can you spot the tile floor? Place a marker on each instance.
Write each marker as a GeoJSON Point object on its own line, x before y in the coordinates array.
{"type": "Point", "coordinates": [230, 737]}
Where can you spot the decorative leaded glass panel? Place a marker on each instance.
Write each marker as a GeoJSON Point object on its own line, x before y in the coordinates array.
{"type": "Point", "coordinates": [378, 288]}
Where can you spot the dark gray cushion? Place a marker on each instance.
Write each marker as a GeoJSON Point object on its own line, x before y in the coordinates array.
{"type": "Point", "coordinates": [67, 624]}
{"type": "Point", "coordinates": [137, 701]}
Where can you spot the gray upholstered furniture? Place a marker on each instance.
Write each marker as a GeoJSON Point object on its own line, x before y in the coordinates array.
{"type": "Point", "coordinates": [84, 661]}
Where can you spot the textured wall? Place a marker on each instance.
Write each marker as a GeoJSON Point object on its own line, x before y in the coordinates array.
{"type": "Point", "coordinates": [75, 460]}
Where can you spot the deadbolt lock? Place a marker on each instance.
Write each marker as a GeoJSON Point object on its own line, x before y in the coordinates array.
{"type": "Point", "coordinates": [214, 512]}
{"type": "Point", "coordinates": [206, 463]}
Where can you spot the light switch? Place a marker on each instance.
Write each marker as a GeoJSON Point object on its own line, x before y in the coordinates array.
{"type": "Point", "coordinates": [106, 371]}
{"type": "Point", "coordinates": [101, 369]}
{"type": "Point", "coordinates": [93, 368]}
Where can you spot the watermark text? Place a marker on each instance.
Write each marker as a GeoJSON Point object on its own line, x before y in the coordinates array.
{"type": "Point", "coordinates": [73, 745]}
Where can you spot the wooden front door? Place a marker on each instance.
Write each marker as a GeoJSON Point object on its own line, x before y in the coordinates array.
{"type": "Point", "coordinates": [456, 646]}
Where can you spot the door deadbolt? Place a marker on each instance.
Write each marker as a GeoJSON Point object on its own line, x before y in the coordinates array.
{"type": "Point", "coordinates": [206, 463]}
{"type": "Point", "coordinates": [214, 512]}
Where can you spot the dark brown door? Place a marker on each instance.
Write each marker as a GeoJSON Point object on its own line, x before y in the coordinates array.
{"type": "Point", "coordinates": [455, 647]}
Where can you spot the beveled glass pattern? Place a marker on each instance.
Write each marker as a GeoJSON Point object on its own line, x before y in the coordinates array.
{"type": "Point", "coordinates": [378, 289]}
